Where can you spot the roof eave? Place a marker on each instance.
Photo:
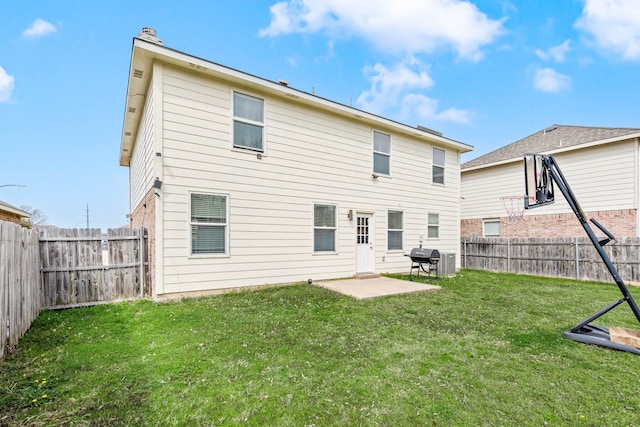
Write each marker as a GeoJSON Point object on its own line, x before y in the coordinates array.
{"type": "Point", "coordinates": [144, 53]}
{"type": "Point", "coordinates": [12, 209]}
{"type": "Point", "coordinates": [558, 150]}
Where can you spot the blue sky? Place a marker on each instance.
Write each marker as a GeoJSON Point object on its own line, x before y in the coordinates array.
{"type": "Point", "coordinates": [485, 73]}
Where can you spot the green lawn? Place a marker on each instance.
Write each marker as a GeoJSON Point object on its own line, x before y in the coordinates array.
{"type": "Point", "coordinates": [485, 350]}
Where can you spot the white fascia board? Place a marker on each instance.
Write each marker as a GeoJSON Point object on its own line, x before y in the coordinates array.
{"type": "Point", "coordinates": [144, 53]}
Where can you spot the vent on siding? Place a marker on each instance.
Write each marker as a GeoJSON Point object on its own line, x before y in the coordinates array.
{"type": "Point", "coordinates": [137, 73]}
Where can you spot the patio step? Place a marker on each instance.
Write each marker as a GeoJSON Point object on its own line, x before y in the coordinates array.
{"type": "Point", "coordinates": [367, 276]}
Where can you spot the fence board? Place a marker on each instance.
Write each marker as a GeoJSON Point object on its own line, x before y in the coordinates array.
{"type": "Point", "coordinates": [76, 270]}
{"type": "Point", "coordinates": [60, 268]}
{"type": "Point", "coordinates": [20, 301]}
{"type": "Point", "coordinates": [553, 257]}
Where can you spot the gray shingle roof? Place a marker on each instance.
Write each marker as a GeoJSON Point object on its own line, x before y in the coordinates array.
{"type": "Point", "coordinates": [552, 138]}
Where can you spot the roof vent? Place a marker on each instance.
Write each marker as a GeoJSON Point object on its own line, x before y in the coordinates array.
{"type": "Point", "coordinates": [431, 131]}
{"type": "Point", "coordinates": [283, 82]}
{"type": "Point", "coordinates": [149, 34]}
{"type": "Point", "coordinates": [550, 129]}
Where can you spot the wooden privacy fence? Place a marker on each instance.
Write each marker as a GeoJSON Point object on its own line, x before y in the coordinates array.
{"type": "Point", "coordinates": [49, 268]}
{"type": "Point", "coordinates": [85, 267]}
{"type": "Point", "coordinates": [20, 301]}
{"type": "Point", "coordinates": [569, 257]}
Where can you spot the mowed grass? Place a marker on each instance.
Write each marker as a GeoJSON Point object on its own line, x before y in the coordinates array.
{"type": "Point", "coordinates": [485, 350]}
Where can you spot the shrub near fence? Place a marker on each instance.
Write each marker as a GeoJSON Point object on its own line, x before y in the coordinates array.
{"type": "Point", "coordinates": [20, 301]}
{"type": "Point", "coordinates": [567, 257]}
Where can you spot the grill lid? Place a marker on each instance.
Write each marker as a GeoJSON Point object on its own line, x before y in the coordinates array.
{"type": "Point", "coordinates": [422, 254]}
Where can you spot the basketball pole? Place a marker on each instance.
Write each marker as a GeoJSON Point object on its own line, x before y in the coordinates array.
{"type": "Point", "coordinates": [584, 331]}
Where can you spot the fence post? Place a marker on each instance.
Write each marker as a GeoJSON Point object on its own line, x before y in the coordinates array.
{"type": "Point", "coordinates": [508, 255]}
{"type": "Point", "coordinates": [141, 254]}
{"type": "Point", "coordinates": [464, 245]}
{"type": "Point", "coordinates": [577, 260]}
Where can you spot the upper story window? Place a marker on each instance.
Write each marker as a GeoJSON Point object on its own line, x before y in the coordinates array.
{"type": "Point", "coordinates": [438, 166]}
{"type": "Point", "coordinates": [209, 224]}
{"type": "Point", "coordinates": [381, 153]}
{"type": "Point", "coordinates": [395, 230]}
{"type": "Point", "coordinates": [248, 122]}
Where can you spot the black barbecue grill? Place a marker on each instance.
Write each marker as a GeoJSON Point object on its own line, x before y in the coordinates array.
{"type": "Point", "coordinates": [425, 260]}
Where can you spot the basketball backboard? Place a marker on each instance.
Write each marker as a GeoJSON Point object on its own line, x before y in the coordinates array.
{"type": "Point", "coordinates": [538, 181]}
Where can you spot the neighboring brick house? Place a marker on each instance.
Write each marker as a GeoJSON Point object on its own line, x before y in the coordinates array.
{"type": "Point", "coordinates": [602, 166]}
{"type": "Point", "coordinates": [12, 214]}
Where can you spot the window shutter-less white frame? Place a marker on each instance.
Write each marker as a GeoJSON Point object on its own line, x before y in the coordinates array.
{"type": "Point", "coordinates": [324, 228]}
{"type": "Point", "coordinates": [395, 230]}
{"type": "Point", "coordinates": [438, 166]}
{"type": "Point", "coordinates": [209, 215]}
{"type": "Point", "coordinates": [433, 226]}
{"type": "Point", "coordinates": [491, 228]}
{"type": "Point", "coordinates": [248, 122]}
{"type": "Point", "coordinates": [381, 153]}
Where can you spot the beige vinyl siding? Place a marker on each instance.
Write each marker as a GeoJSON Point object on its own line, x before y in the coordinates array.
{"type": "Point", "coordinates": [602, 178]}
{"type": "Point", "coordinates": [311, 157]}
{"type": "Point", "coordinates": [482, 189]}
{"type": "Point", "coordinates": [141, 168]}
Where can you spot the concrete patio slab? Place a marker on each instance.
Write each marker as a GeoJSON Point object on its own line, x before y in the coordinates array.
{"type": "Point", "coordinates": [375, 287]}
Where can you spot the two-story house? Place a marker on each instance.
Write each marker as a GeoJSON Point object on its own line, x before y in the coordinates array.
{"type": "Point", "coordinates": [602, 166]}
{"type": "Point", "coordinates": [243, 181]}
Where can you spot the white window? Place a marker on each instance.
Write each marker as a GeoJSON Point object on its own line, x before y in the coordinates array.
{"type": "Point", "coordinates": [209, 224]}
{"type": "Point", "coordinates": [248, 122]}
{"type": "Point", "coordinates": [381, 153]}
{"type": "Point", "coordinates": [395, 230]}
{"type": "Point", "coordinates": [491, 228]}
{"type": "Point", "coordinates": [324, 228]}
{"type": "Point", "coordinates": [433, 226]}
{"type": "Point", "coordinates": [438, 166]}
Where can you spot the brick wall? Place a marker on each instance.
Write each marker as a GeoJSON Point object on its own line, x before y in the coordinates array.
{"type": "Point", "coordinates": [10, 217]}
{"type": "Point", "coordinates": [621, 223]}
{"type": "Point", "coordinates": [144, 215]}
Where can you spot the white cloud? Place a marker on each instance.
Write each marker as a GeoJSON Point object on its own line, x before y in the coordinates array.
{"type": "Point", "coordinates": [549, 80]}
{"type": "Point", "coordinates": [614, 25]}
{"type": "Point", "coordinates": [424, 108]}
{"type": "Point", "coordinates": [556, 53]}
{"type": "Point", "coordinates": [399, 26]}
{"type": "Point", "coordinates": [397, 88]}
{"type": "Point", "coordinates": [39, 28]}
{"type": "Point", "coordinates": [6, 85]}
{"type": "Point", "coordinates": [388, 84]}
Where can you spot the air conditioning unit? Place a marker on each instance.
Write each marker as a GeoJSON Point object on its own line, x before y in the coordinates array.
{"type": "Point", "coordinates": [447, 265]}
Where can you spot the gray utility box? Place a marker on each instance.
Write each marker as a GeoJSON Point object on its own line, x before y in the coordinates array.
{"type": "Point", "coordinates": [447, 265]}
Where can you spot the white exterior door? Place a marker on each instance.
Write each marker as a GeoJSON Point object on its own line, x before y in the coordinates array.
{"type": "Point", "coordinates": [364, 246]}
